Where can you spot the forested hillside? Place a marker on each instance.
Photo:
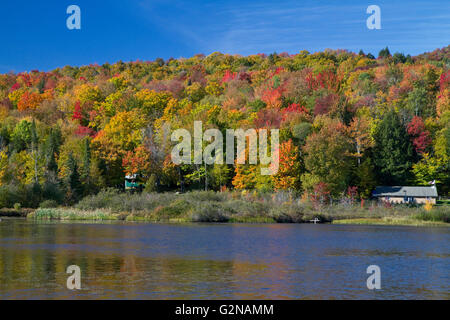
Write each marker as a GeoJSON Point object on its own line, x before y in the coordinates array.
{"type": "Point", "coordinates": [347, 121]}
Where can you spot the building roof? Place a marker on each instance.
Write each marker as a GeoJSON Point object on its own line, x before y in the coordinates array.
{"type": "Point", "coordinates": [402, 191]}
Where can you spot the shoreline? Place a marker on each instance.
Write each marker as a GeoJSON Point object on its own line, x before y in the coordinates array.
{"type": "Point", "coordinates": [234, 207]}
{"type": "Point", "coordinates": [73, 215]}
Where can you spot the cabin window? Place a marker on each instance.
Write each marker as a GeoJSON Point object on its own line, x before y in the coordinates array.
{"type": "Point", "coordinates": [408, 199]}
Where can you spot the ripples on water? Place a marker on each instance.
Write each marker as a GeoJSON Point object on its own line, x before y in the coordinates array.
{"type": "Point", "coordinates": [221, 261]}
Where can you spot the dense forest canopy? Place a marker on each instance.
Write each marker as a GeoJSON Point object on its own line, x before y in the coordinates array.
{"type": "Point", "coordinates": [347, 121]}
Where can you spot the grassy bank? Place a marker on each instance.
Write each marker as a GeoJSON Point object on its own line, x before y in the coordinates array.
{"type": "Point", "coordinates": [399, 221]}
{"type": "Point", "coordinates": [11, 212]}
{"type": "Point", "coordinates": [236, 207]}
{"type": "Point", "coordinates": [72, 214]}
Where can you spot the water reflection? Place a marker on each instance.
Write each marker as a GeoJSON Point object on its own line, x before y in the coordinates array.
{"type": "Point", "coordinates": [156, 261]}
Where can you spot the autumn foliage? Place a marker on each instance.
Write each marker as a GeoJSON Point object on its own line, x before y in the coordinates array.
{"type": "Point", "coordinates": [347, 122]}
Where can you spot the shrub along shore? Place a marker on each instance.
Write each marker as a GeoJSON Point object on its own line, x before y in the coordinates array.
{"type": "Point", "coordinates": [235, 207]}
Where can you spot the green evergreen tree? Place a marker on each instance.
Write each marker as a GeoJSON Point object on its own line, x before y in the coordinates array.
{"type": "Point", "coordinates": [34, 150]}
{"type": "Point", "coordinates": [384, 53]}
{"type": "Point", "coordinates": [33, 195]}
{"type": "Point", "coordinates": [75, 188]}
{"type": "Point", "coordinates": [86, 172]}
{"type": "Point", "coordinates": [34, 136]}
{"type": "Point", "coordinates": [86, 158]}
{"type": "Point", "coordinates": [399, 58]}
{"type": "Point", "coordinates": [409, 59]}
{"type": "Point", "coordinates": [393, 152]}
{"type": "Point", "coordinates": [52, 148]}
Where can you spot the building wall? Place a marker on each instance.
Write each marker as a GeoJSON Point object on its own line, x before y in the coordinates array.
{"type": "Point", "coordinates": [402, 200]}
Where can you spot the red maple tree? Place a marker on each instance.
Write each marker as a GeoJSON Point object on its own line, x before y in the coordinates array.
{"type": "Point", "coordinates": [420, 136]}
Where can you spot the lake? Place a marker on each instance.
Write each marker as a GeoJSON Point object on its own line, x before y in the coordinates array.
{"type": "Point", "coordinates": [221, 261]}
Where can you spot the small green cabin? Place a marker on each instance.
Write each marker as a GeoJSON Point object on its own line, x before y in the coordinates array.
{"type": "Point", "coordinates": [133, 182]}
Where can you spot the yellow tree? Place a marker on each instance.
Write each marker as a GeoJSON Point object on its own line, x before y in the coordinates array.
{"type": "Point", "coordinates": [153, 103]}
{"type": "Point", "coordinates": [22, 168]}
{"type": "Point", "coordinates": [3, 166]}
{"type": "Point", "coordinates": [87, 93]}
{"type": "Point", "coordinates": [245, 176]}
{"type": "Point", "coordinates": [121, 134]}
{"type": "Point", "coordinates": [359, 131]}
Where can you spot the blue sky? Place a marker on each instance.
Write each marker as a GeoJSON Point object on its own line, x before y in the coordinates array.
{"type": "Point", "coordinates": [34, 33]}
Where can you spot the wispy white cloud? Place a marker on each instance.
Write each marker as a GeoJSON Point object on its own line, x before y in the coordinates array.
{"type": "Point", "coordinates": [290, 26]}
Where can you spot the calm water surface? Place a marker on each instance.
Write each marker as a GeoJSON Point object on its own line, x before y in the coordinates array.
{"type": "Point", "coordinates": [221, 261]}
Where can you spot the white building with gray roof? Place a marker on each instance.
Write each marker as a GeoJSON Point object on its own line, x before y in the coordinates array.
{"type": "Point", "coordinates": [403, 194]}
